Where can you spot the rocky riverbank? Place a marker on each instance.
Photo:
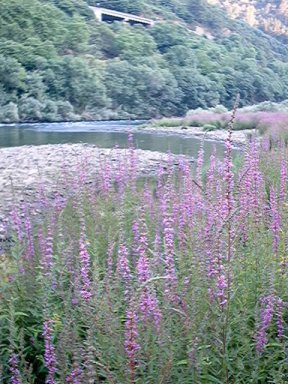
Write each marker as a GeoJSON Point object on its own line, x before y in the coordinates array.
{"type": "Point", "coordinates": [23, 170]}
{"type": "Point", "coordinates": [239, 137]}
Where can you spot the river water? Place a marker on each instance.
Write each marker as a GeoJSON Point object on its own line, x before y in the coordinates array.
{"type": "Point", "coordinates": [103, 134]}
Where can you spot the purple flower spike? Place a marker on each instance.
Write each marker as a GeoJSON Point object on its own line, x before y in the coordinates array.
{"type": "Point", "coordinates": [85, 269]}
{"type": "Point", "coordinates": [279, 318]}
{"type": "Point", "coordinates": [131, 342]}
{"type": "Point", "coordinates": [276, 220]}
{"type": "Point", "coordinates": [49, 355]}
{"type": "Point", "coordinates": [15, 373]}
{"type": "Point", "coordinates": [75, 376]}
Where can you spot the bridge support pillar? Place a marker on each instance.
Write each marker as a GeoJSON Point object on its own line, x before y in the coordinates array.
{"type": "Point", "coordinates": [98, 14]}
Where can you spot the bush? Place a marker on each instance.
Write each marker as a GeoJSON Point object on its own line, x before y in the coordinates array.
{"type": "Point", "coordinates": [194, 123]}
{"type": "Point", "coordinates": [9, 113]}
{"type": "Point", "coordinates": [209, 127]}
{"type": "Point", "coordinates": [219, 109]}
{"type": "Point", "coordinates": [242, 125]}
{"type": "Point", "coordinates": [168, 123]}
{"type": "Point", "coordinates": [66, 111]}
{"type": "Point", "coordinates": [30, 109]}
{"type": "Point", "coordinates": [49, 110]}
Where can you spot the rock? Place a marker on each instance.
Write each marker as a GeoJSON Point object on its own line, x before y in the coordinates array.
{"type": "Point", "coordinates": [25, 169]}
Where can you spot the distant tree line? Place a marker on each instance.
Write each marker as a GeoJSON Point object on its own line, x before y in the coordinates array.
{"type": "Point", "coordinates": [58, 63]}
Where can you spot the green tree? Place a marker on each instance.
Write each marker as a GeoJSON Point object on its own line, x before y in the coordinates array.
{"type": "Point", "coordinates": [168, 35]}
{"type": "Point", "coordinates": [142, 91]}
{"type": "Point", "coordinates": [49, 110]}
{"type": "Point", "coordinates": [12, 75]}
{"type": "Point", "coordinates": [78, 34]}
{"type": "Point", "coordinates": [34, 86]}
{"type": "Point", "coordinates": [83, 85]}
{"type": "Point", "coordinates": [9, 113]}
{"type": "Point", "coordinates": [195, 88]}
{"type": "Point", "coordinates": [30, 109]}
{"type": "Point", "coordinates": [133, 42]}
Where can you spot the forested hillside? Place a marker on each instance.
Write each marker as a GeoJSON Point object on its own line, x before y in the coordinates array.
{"type": "Point", "coordinates": [269, 15]}
{"type": "Point", "coordinates": [58, 63]}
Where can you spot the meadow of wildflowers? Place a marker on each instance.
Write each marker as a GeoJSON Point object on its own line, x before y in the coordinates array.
{"type": "Point", "coordinates": [181, 278]}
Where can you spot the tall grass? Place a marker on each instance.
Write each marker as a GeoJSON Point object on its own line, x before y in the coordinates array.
{"type": "Point", "coordinates": [179, 280]}
{"type": "Point", "coordinates": [246, 120]}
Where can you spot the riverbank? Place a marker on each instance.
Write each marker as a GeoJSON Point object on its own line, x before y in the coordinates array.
{"type": "Point", "coordinates": [240, 138]}
{"type": "Point", "coordinates": [25, 169]}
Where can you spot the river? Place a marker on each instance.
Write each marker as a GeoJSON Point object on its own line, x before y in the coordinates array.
{"type": "Point", "coordinates": [103, 134]}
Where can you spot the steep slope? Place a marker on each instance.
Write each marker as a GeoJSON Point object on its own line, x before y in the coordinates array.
{"type": "Point", "coordinates": [269, 15]}
{"type": "Point", "coordinates": [57, 62]}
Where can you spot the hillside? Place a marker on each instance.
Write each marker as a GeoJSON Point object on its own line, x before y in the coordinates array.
{"type": "Point", "coordinates": [269, 15]}
{"type": "Point", "coordinates": [58, 63]}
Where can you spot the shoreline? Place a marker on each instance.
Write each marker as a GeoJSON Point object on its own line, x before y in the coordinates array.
{"type": "Point", "coordinates": [136, 126]}
{"type": "Point", "coordinates": [24, 169]}
{"type": "Point", "coordinates": [239, 138]}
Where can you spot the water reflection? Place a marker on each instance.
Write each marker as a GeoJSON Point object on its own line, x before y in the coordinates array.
{"type": "Point", "coordinates": [103, 134]}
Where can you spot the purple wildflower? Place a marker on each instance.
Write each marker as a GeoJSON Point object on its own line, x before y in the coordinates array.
{"type": "Point", "coordinates": [279, 318]}
{"type": "Point", "coordinates": [168, 229]}
{"type": "Point", "coordinates": [228, 176]}
{"type": "Point", "coordinates": [85, 268]}
{"type": "Point", "coordinates": [49, 355]}
{"type": "Point", "coordinates": [30, 253]}
{"type": "Point", "coordinates": [75, 376]}
{"type": "Point", "coordinates": [148, 302]}
{"type": "Point", "coordinates": [120, 174]}
{"type": "Point", "coordinates": [283, 180]}
{"type": "Point", "coordinates": [157, 250]}
{"type": "Point", "coordinates": [276, 220]}
{"type": "Point", "coordinates": [257, 183]}
{"type": "Point", "coordinates": [47, 258]}
{"type": "Point", "coordinates": [15, 373]}
{"type": "Point", "coordinates": [266, 316]}
{"type": "Point", "coordinates": [136, 237]}
{"type": "Point", "coordinates": [131, 342]}
{"type": "Point", "coordinates": [222, 286]}
{"type": "Point", "coordinates": [123, 268]}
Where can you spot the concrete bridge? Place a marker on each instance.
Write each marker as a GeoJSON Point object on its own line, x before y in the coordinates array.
{"type": "Point", "coordinates": [108, 15]}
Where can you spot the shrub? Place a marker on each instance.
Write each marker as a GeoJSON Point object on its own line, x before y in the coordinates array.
{"type": "Point", "coordinates": [194, 123]}
{"type": "Point", "coordinates": [9, 113]}
{"type": "Point", "coordinates": [165, 122]}
{"type": "Point", "coordinates": [49, 110]}
{"type": "Point", "coordinates": [220, 109]}
{"type": "Point", "coordinates": [30, 109]}
{"type": "Point", "coordinates": [209, 127]}
{"type": "Point", "coordinates": [243, 125]}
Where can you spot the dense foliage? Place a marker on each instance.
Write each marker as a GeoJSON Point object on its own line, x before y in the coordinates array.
{"type": "Point", "coordinates": [180, 280]}
{"type": "Point", "coordinates": [58, 63]}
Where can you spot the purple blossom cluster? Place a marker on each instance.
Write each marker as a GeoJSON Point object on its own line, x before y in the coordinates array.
{"type": "Point", "coordinates": [75, 377]}
{"type": "Point", "coordinates": [15, 373]}
{"type": "Point", "coordinates": [270, 306]}
{"type": "Point", "coordinates": [85, 268]}
{"type": "Point", "coordinates": [49, 354]}
{"type": "Point", "coordinates": [131, 343]}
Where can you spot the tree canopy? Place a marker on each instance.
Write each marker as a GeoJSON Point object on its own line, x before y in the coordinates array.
{"type": "Point", "coordinates": [57, 62]}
